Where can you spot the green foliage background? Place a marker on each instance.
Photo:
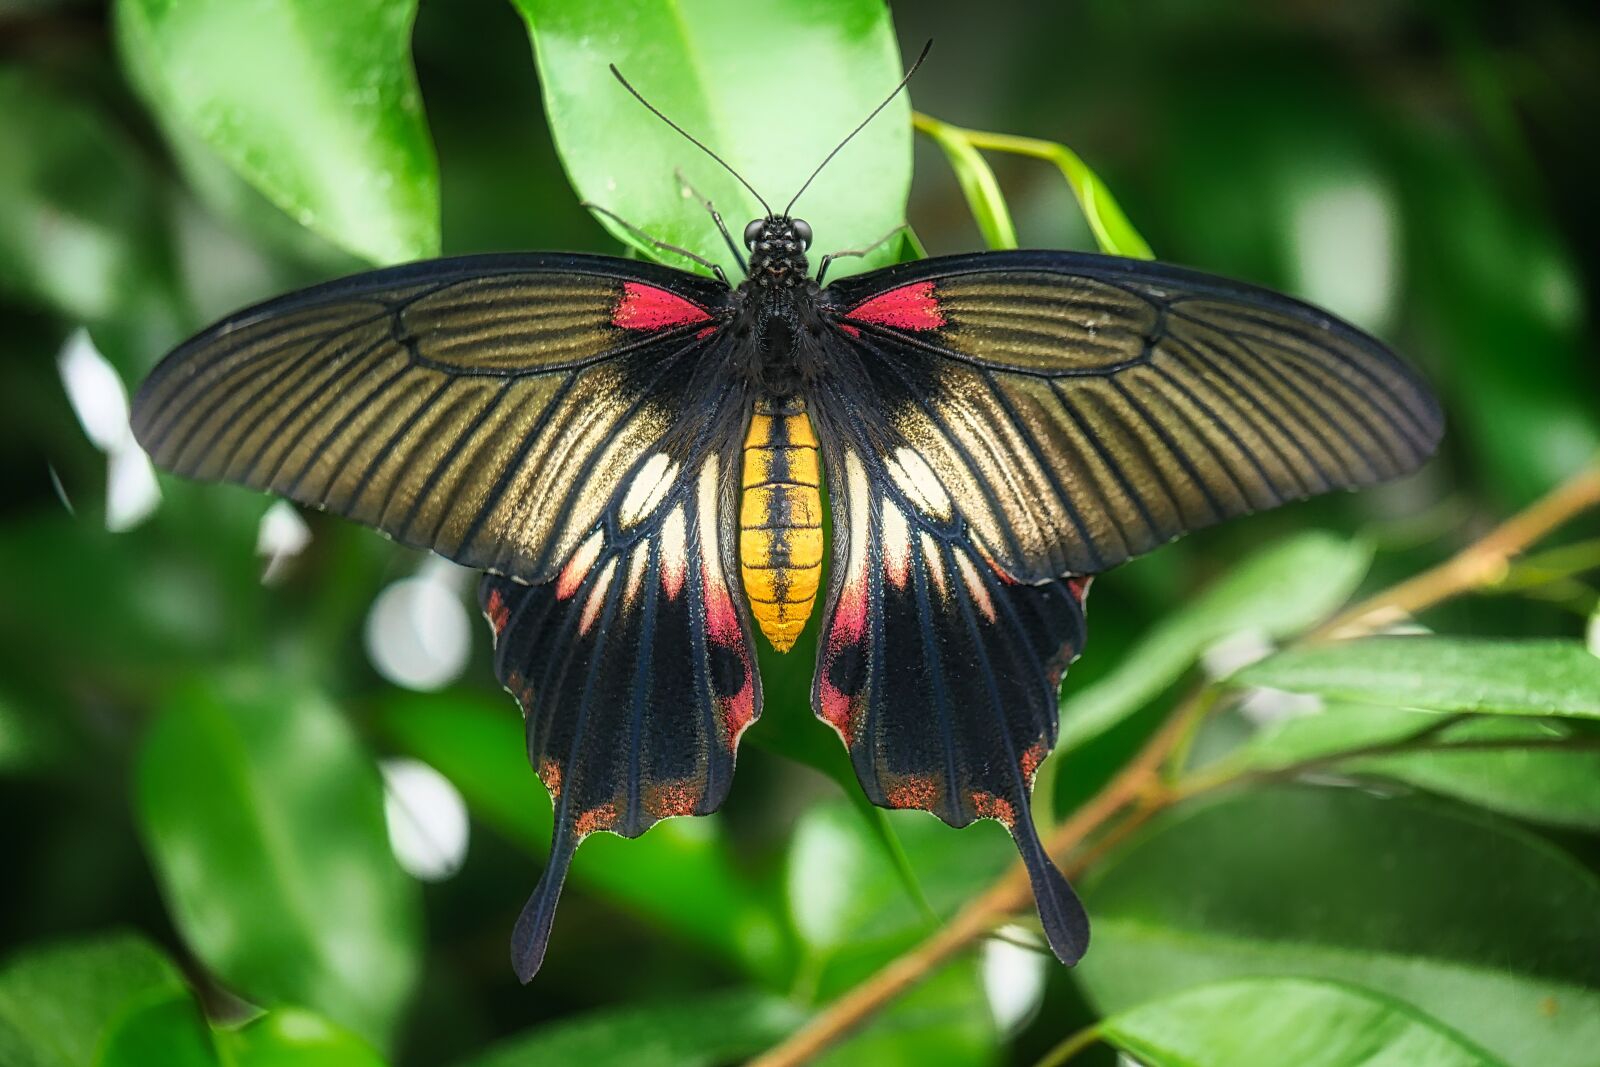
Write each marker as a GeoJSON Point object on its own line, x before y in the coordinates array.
{"type": "Point", "coordinates": [198, 870]}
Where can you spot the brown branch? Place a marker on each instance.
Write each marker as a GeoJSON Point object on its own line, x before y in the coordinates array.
{"type": "Point", "coordinates": [1138, 785]}
{"type": "Point", "coordinates": [1484, 562]}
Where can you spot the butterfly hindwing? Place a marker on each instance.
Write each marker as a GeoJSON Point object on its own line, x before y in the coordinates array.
{"type": "Point", "coordinates": [1085, 409]}
{"type": "Point", "coordinates": [483, 407]}
{"type": "Point", "coordinates": [938, 669]}
{"type": "Point", "coordinates": [634, 667]}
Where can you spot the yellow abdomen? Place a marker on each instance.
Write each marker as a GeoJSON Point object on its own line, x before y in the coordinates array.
{"type": "Point", "coordinates": [780, 519]}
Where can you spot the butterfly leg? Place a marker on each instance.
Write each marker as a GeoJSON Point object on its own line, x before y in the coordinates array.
{"type": "Point", "coordinates": [822, 270]}
{"type": "Point", "coordinates": [662, 245]}
{"type": "Point", "coordinates": [716, 217]}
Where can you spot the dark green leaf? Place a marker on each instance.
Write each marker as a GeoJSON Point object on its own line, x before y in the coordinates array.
{"type": "Point", "coordinates": [1277, 593]}
{"type": "Point", "coordinates": [264, 819]}
{"type": "Point", "coordinates": [1544, 784]}
{"type": "Point", "coordinates": [730, 73]}
{"type": "Point", "coordinates": [680, 874]}
{"type": "Point", "coordinates": [57, 1003]}
{"type": "Point", "coordinates": [1442, 674]}
{"type": "Point", "coordinates": [701, 1031]}
{"type": "Point", "coordinates": [1466, 918]}
{"type": "Point", "coordinates": [1270, 1022]}
{"type": "Point", "coordinates": [315, 105]}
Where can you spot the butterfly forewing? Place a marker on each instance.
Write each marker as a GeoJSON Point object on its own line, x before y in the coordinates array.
{"type": "Point", "coordinates": [1084, 409]}
{"type": "Point", "coordinates": [482, 407]}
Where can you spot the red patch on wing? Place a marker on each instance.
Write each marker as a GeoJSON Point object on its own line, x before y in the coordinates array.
{"type": "Point", "coordinates": [498, 614]}
{"type": "Point", "coordinates": [1080, 585]}
{"type": "Point", "coordinates": [644, 307]}
{"type": "Point", "coordinates": [722, 620]}
{"type": "Point", "coordinates": [910, 307]}
{"type": "Point", "coordinates": [670, 799]}
{"type": "Point", "coordinates": [550, 775]}
{"type": "Point", "coordinates": [853, 331]}
{"type": "Point", "coordinates": [602, 818]}
{"type": "Point", "coordinates": [1031, 759]}
{"type": "Point", "coordinates": [989, 806]}
{"type": "Point", "coordinates": [912, 792]}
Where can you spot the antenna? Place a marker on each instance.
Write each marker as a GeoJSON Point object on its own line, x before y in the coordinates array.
{"type": "Point", "coordinates": [692, 139]}
{"type": "Point", "coordinates": [925, 50]}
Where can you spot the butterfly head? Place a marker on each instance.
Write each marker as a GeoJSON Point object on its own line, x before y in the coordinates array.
{"type": "Point", "coordinates": [777, 247]}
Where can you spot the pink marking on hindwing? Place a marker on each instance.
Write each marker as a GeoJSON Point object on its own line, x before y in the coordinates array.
{"type": "Point", "coordinates": [910, 307]}
{"type": "Point", "coordinates": [644, 307]}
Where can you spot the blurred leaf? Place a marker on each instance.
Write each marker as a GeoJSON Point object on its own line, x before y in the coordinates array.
{"type": "Point", "coordinates": [263, 817]}
{"type": "Point", "coordinates": [845, 894]}
{"type": "Point", "coordinates": [1470, 920]}
{"type": "Point", "coordinates": [316, 105]}
{"type": "Point", "coordinates": [943, 1020]}
{"type": "Point", "coordinates": [1547, 785]}
{"type": "Point", "coordinates": [1274, 1021]}
{"type": "Point", "coordinates": [1442, 674]}
{"type": "Point", "coordinates": [169, 1031]}
{"type": "Point", "coordinates": [1279, 592]}
{"type": "Point", "coordinates": [702, 1031]}
{"type": "Point", "coordinates": [1491, 277]}
{"type": "Point", "coordinates": [80, 214]}
{"type": "Point", "coordinates": [679, 874]}
{"type": "Point", "coordinates": [725, 71]}
{"type": "Point", "coordinates": [291, 1037]}
{"type": "Point", "coordinates": [57, 1003]}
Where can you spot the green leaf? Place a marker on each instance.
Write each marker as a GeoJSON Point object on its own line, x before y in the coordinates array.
{"type": "Point", "coordinates": [680, 874]}
{"type": "Point", "coordinates": [1273, 1021]}
{"type": "Point", "coordinates": [1339, 727]}
{"type": "Point", "coordinates": [1464, 917]}
{"type": "Point", "coordinates": [1277, 593]}
{"type": "Point", "coordinates": [290, 1037]}
{"type": "Point", "coordinates": [57, 1003]}
{"type": "Point", "coordinates": [978, 183]}
{"type": "Point", "coordinates": [1446, 674]}
{"type": "Point", "coordinates": [314, 104]}
{"type": "Point", "coordinates": [1538, 782]}
{"type": "Point", "coordinates": [700, 1031]}
{"type": "Point", "coordinates": [170, 1031]}
{"type": "Point", "coordinates": [727, 71]}
{"type": "Point", "coordinates": [80, 213]}
{"type": "Point", "coordinates": [264, 819]}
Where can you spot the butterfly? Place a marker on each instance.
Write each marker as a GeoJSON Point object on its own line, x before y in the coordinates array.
{"type": "Point", "coordinates": [636, 456]}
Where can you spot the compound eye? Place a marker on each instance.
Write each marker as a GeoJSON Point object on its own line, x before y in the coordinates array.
{"type": "Point", "coordinates": [802, 230]}
{"type": "Point", "coordinates": [752, 232]}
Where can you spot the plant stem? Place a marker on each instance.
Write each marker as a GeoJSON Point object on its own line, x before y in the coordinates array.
{"type": "Point", "coordinates": [1484, 562]}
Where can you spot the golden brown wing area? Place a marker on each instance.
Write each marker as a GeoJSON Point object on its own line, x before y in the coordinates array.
{"type": "Point", "coordinates": [1082, 410]}
{"type": "Point", "coordinates": [780, 519]}
{"type": "Point", "coordinates": [485, 408]}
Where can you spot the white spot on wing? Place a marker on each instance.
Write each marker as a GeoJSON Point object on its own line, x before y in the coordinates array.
{"type": "Point", "coordinates": [648, 487]}
{"type": "Point", "coordinates": [896, 545]}
{"type": "Point", "coordinates": [919, 483]}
